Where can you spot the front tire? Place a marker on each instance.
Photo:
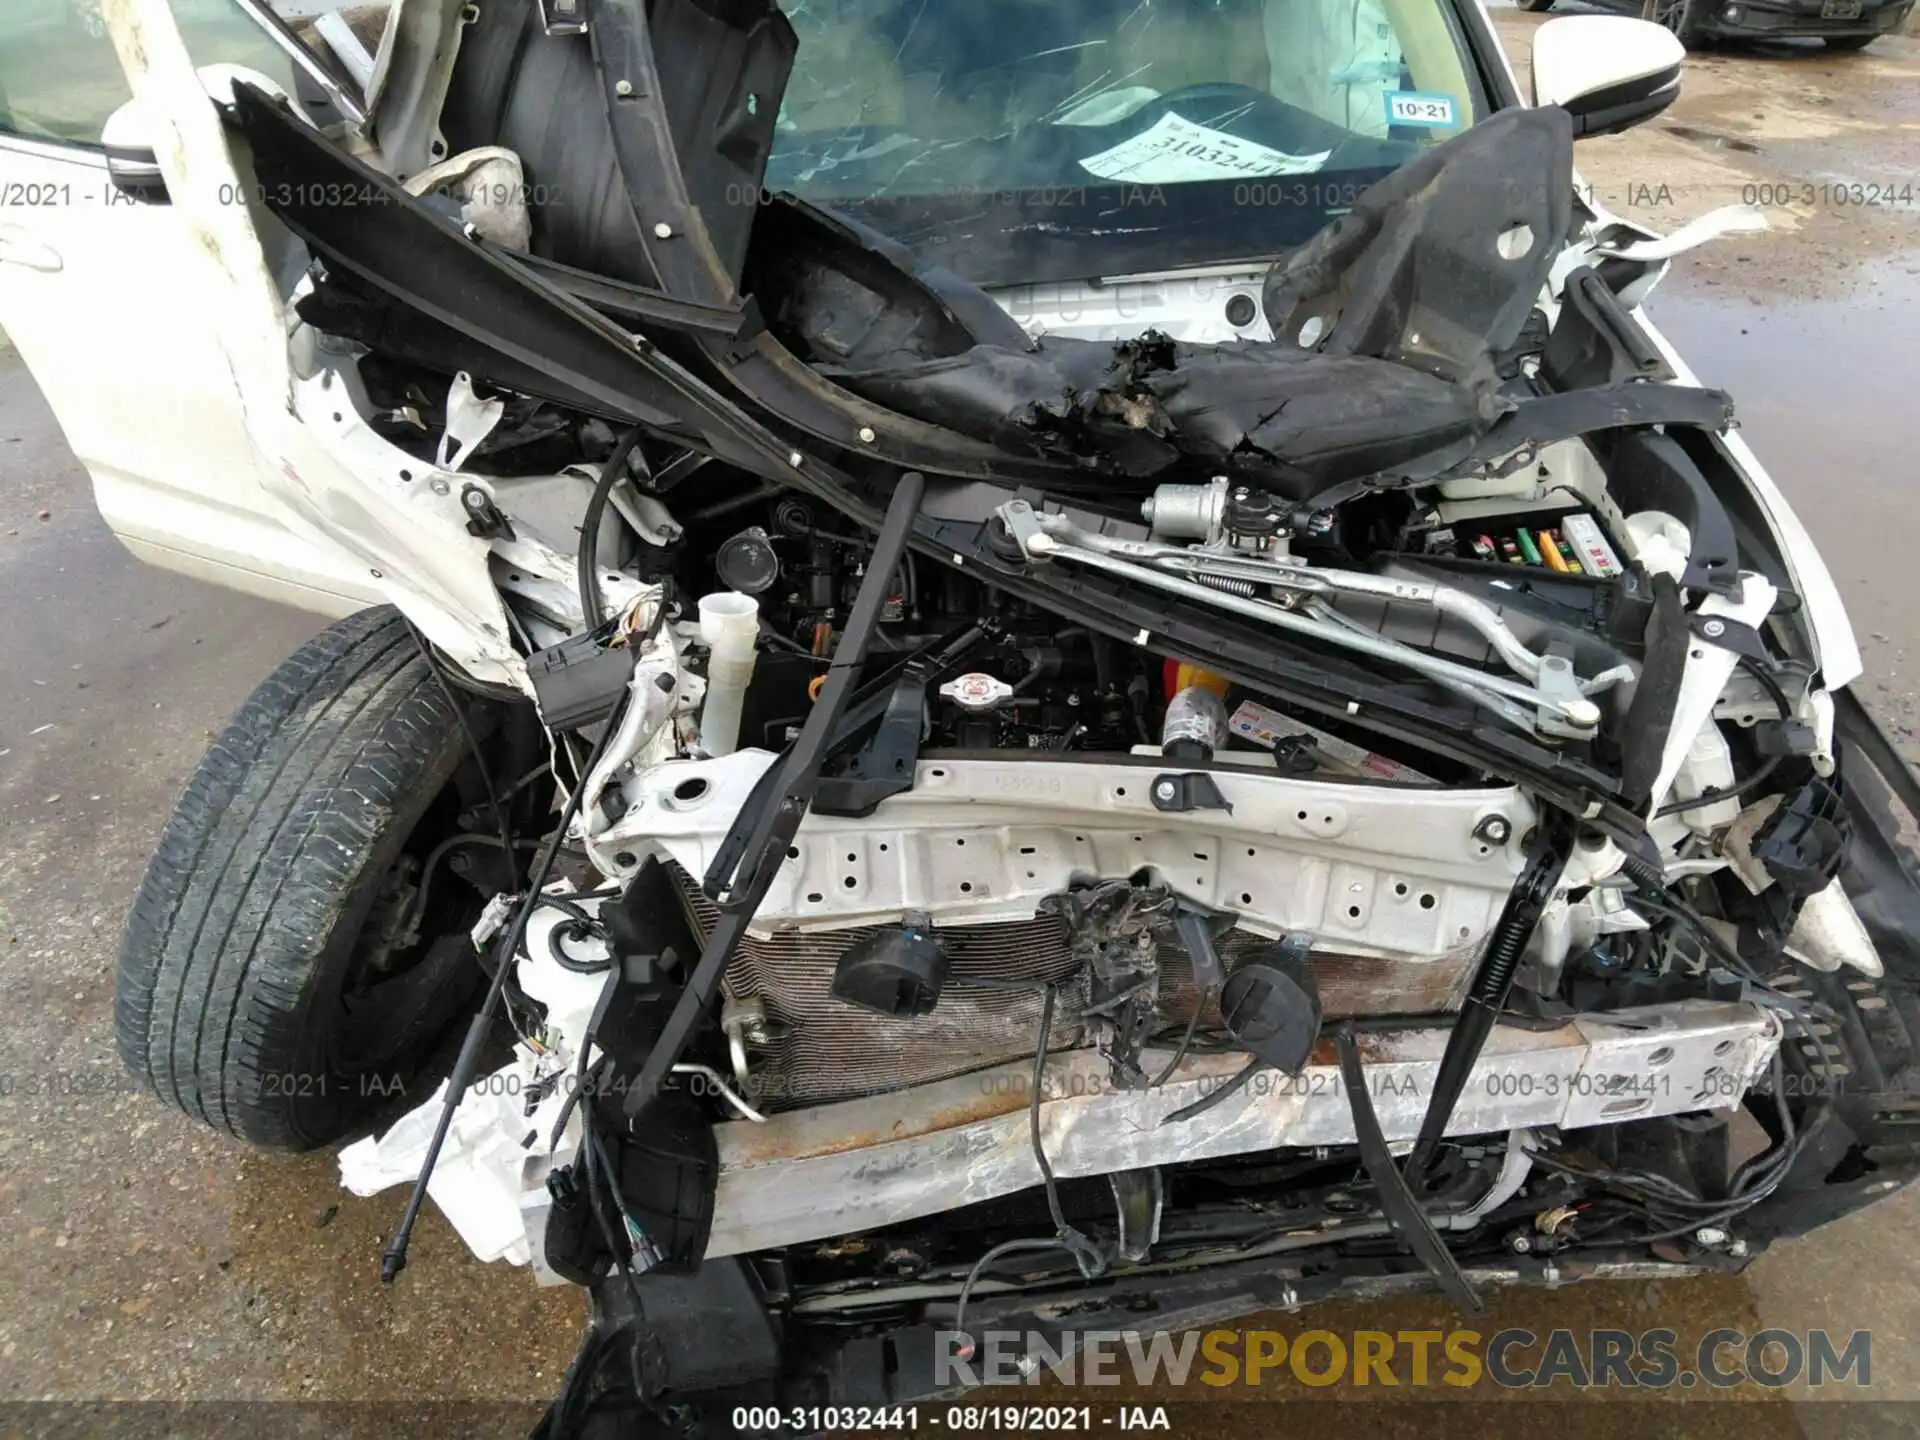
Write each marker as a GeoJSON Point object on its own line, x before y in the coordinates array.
{"type": "Point", "coordinates": [268, 984]}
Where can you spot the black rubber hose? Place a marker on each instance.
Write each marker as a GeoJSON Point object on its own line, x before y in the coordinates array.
{"type": "Point", "coordinates": [1775, 693]}
{"type": "Point", "coordinates": [1732, 792]}
{"type": "Point", "coordinates": [587, 561]}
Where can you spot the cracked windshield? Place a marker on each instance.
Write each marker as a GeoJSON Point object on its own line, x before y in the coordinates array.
{"type": "Point", "coordinates": [1054, 139]}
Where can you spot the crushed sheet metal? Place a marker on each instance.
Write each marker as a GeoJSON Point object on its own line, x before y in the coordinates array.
{"type": "Point", "coordinates": [867, 1163]}
{"type": "Point", "coordinates": [421, 558]}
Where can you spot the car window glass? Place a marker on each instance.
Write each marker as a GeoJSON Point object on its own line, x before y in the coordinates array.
{"type": "Point", "coordinates": [898, 95]}
{"type": "Point", "coordinates": [60, 78]}
{"type": "Point", "coordinates": [1019, 141]}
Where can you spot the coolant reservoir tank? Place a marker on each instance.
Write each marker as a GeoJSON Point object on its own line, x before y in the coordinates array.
{"type": "Point", "coordinates": [729, 625]}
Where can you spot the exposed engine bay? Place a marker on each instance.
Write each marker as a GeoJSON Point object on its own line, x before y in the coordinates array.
{"type": "Point", "coordinates": [1047, 814]}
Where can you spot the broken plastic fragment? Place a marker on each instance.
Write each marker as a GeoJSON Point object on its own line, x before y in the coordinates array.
{"type": "Point", "coordinates": [1727, 220]}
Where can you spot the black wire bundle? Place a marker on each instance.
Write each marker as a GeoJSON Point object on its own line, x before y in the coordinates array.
{"type": "Point", "coordinates": [1664, 1198]}
{"type": "Point", "coordinates": [1760, 773]}
{"type": "Point", "coordinates": [1091, 1257]}
{"type": "Point", "coordinates": [587, 561]}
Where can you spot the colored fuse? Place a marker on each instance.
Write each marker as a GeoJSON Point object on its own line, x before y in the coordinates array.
{"type": "Point", "coordinates": [1510, 552]}
{"type": "Point", "coordinates": [1596, 555]}
{"type": "Point", "coordinates": [1528, 548]}
{"type": "Point", "coordinates": [1552, 552]}
{"type": "Point", "coordinates": [1484, 548]}
{"type": "Point", "coordinates": [1568, 556]}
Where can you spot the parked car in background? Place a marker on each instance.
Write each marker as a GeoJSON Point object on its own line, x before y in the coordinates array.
{"type": "Point", "coordinates": [1843, 24]}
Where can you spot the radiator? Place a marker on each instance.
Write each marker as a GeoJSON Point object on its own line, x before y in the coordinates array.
{"type": "Point", "coordinates": [823, 1049]}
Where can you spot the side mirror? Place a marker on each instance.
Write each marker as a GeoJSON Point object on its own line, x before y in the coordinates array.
{"type": "Point", "coordinates": [127, 137]}
{"type": "Point", "coordinates": [131, 166]}
{"type": "Point", "coordinates": [1608, 71]}
{"type": "Point", "coordinates": [134, 171]}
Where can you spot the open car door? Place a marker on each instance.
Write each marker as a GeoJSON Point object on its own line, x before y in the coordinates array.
{"type": "Point", "coordinates": [95, 292]}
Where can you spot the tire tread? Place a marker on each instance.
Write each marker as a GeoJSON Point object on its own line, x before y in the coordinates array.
{"type": "Point", "coordinates": [269, 841]}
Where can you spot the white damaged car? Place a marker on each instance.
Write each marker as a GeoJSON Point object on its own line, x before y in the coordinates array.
{"type": "Point", "coordinates": [1004, 666]}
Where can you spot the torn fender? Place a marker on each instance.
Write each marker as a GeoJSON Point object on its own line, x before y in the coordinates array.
{"type": "Point", "coordinates": [386, 515]}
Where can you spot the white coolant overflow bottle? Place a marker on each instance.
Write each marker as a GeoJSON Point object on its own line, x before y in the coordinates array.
{"type": "Point", "coordinates": [729, 624]}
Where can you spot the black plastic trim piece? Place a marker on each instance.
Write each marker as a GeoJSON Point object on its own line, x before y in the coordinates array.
{"type": "Point", "coordinates": [1622, 106]}
{"type": "Point", "coordinates": [1615, 407]}
{"type": "Point", "coordinates": [1647, 471]}
{"type": "Point", "coordinates": [633, 302]}
{"type": "Point", "coordinates": [1397, 1201]}
{"type": "Point", "coordinates": [1596, 341]}
{"type": "Point", "coordinates": [777, 821]}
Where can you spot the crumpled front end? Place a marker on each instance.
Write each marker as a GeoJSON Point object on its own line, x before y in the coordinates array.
{"type": "Point", "coordinates": [1188, 808]}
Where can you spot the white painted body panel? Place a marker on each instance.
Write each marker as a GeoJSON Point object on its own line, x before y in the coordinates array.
{"type": "Point", "coordinates": [99, 295]}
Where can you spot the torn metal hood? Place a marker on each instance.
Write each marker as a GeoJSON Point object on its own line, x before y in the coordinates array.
{"type": "Point", "coordinates": [1400, 323]}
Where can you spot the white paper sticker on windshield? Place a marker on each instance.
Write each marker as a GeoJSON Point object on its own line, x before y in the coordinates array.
{"type": "Point", "coordinates": [1410, 107]}
{"type": "Point", "coordinates": [1174, 149]}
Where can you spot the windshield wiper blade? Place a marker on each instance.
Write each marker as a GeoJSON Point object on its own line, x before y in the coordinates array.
{"type": "Point", "coordinates": [741, 893]}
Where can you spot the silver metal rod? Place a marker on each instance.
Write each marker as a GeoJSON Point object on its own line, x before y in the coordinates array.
{"type": "Point", "coordinates": [1582, 714]}
{"type": "Point", "coordinates": [726, 1092]}
{"type": "Point", "coordinates": [1469, 609]}
{"type": "Point", "coordinates": [1518, 715]}
{"type": "Point", "coordinates": [339, 88]}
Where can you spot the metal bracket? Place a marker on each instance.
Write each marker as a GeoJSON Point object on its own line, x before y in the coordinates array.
{"type": "Point", "coordinates": [1734, 635]}
{"type": "Point", "coordinates": [1560, 697]}
{"type": "Point", "coordinates": [1139, 1196]}
{"type": "Point", "coordinates": [1197, 929]}
{"type": "Point", "coordinates": [485, 520]}
{"type": "Point", "coordinates": [564, 17]}
{"type": "Point", "coordinates": [885, 764]}
{"type": "Point", "coordinates": [470, 420]}
{"type": "Point", "coordinates": [1195, 790]}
